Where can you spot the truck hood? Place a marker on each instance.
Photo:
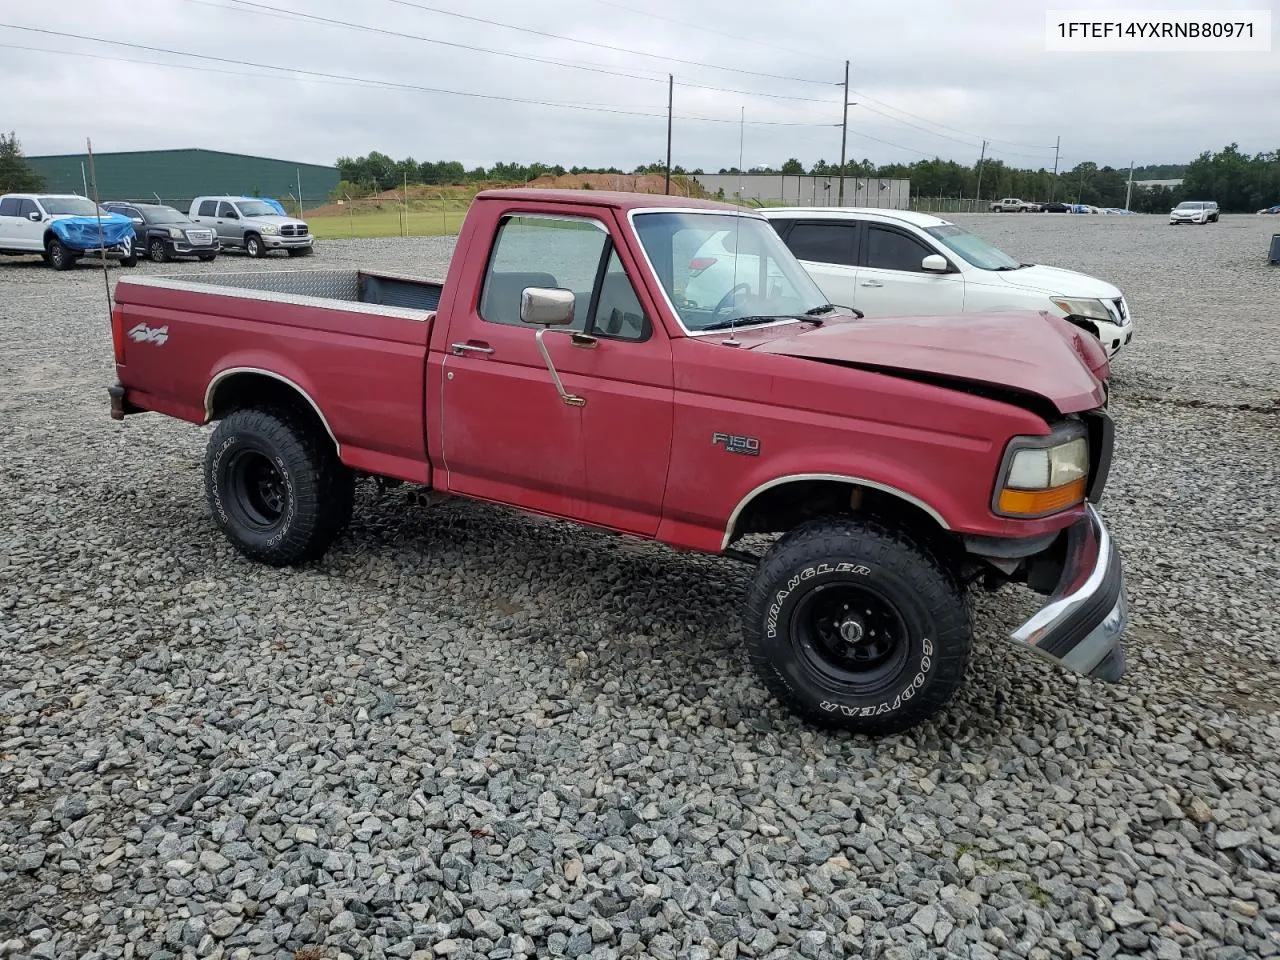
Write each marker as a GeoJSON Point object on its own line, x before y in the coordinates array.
{"type": "Point", "coordinates": [1024, 352]}
{"type": "Point", "coordinates": [1055, 282]}
{"type": "Point", "coordinates": [277, 220]}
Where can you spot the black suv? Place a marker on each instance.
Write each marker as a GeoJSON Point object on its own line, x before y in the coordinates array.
{"type": "Point", "coordinates": [164, 233]}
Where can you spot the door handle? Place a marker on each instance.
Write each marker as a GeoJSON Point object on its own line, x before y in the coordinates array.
{"type": "Point", "coordinates": [872, 283]}
{"type": "Point", "coordinates": [462, 349]}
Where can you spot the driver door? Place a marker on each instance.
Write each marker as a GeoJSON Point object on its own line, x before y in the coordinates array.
{"type": "Point", "coordinates": [892, 283]}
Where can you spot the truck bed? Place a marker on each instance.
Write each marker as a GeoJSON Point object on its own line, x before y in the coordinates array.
{"type": "Point", "coordinates": [352, 342]}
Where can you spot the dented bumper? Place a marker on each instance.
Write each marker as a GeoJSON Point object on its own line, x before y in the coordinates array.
{"type": "Point", "coordinates": [1081, 625]}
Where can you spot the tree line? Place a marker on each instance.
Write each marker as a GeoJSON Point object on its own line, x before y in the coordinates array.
{"type": "Point", "coordinates": [1237, 181]}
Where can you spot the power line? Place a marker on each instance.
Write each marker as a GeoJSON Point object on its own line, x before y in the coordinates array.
{"type": "Point", "coordinates": [603, 46]}
{"type": "Point", "coordinates": [344, 78]}
{"type": "Point", "coordinates": [718, 33]}
{"type": "Point", "coordinates": [865, 96]}
{"type": "Point", "coordinates": [286, 13]}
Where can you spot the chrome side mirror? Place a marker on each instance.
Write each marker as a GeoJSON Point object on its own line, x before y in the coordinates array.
{"type": "Point", "coordinates": [935, 263]}
{"type": "Point", "coordinates": [546, 306]}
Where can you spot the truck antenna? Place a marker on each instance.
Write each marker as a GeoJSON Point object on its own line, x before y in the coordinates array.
{"type": "Point", "coordinates": [102, 244]}
{"type": "Point", "coordinates": [737, 230]}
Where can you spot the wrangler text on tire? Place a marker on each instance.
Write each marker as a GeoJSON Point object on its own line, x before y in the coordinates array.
{"type": "Point", "coordinates": [854, 625]}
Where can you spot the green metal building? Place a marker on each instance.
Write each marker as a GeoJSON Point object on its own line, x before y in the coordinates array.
{"type": "Point", "coordinates": [178, 176]}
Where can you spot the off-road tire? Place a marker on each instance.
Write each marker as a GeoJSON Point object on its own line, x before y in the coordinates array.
{"type": "Point", "coordinates": [254, 246]}
{"type": "Point", "coordinates": [58, 256]}
{"type": "Point", "coordinates": [830, 558]}
{"type": "Point", "coordinates": [316, 490]}
{"type": "Point", "coordinates": [158, 250]}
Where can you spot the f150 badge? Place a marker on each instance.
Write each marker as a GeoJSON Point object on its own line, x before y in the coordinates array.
{"type": "Point", "coordinates": [144, 334]}
{"type": "Point", "coordinates": [747, 446]}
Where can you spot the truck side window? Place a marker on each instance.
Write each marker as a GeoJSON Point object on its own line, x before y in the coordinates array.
{"type": "Point", "coordinates": [891, 250]}
{"type": "Point", "coordinates": [618, 311]}
{"type": "Point", "coordinates": [226, 210]}
{"type": "Point", "coordinates": [27, 207]}
{"type": "Point", "coordinates": [9, 207]}
{"type": "Point", "coordinates": [208, 208]}
{"type": "Point", "coordinates": [530, 251]}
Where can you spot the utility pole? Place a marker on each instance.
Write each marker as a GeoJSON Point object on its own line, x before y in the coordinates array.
{"type": "Point", "coordinates": [981, 160]}
{"type": "Point", "coordinates": [298, 171]}
{"type": "Point", "coordinates": [671, 86]}
{"type": "Point", "coordinates": [844, 133]}
{"type": "Point", "coordinates": [1128, 193]}
{"type": "Point", "coordinates": [1054, 184]}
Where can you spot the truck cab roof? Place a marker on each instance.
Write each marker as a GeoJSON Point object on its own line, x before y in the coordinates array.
{"type": "Point", "coordinates": [618, 200]}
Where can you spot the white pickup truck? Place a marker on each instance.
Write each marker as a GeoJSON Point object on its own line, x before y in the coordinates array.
{"type": "Point", "coordinates": [62, 228]}
{"type": "Point", "coordinates": [1014, 205]}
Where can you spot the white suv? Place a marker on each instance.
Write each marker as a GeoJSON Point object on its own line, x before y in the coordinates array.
{"type": "Point", "coordinates": [898, 263]}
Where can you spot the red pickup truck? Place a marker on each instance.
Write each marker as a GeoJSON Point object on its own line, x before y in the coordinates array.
{"type": "Point", "coordinates": [577, 363]}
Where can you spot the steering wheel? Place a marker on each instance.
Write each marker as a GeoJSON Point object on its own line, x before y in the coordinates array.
{"type": "Point", "coordinates": [726, 302]}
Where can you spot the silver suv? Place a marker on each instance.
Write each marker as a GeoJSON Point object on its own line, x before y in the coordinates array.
{"type": "Point", "coordinates": [252, 225]}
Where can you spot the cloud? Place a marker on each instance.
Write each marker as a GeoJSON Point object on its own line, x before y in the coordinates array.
{"type": "Point", "coordinates": [929, 78]}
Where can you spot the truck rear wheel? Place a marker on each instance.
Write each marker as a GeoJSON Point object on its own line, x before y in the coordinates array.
{"type": "Point", "coordinates": [856, 626]}
{"type": "Point", "coordinates": [276, 486]}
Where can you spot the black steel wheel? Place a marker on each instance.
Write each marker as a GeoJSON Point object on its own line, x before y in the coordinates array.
{"type": "Point", "coordinates": [856, 625]}
{"type": "Point", "coordinates": [275, 485]}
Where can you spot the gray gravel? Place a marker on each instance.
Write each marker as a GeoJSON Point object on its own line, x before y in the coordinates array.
{"type": "Point", "coordinates": [473, 733]}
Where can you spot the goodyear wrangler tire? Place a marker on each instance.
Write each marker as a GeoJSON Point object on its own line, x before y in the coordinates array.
{"type": "Point", "coordinates": [853, 625]}
{"type": "Point", "coordinates": [275, 485]}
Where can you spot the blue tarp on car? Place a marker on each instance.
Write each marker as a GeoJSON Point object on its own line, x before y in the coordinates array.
{"type": "Point", "coordinates": [81, 233]}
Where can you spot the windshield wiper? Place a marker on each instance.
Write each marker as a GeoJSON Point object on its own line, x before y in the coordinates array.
{"type": "Point", "coordinates": [748, 321]}
{"type": "Point", "coordinates": [825, 308]}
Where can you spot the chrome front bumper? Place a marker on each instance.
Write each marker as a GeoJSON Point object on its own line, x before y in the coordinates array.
{"type": "Point", "coordinates": [1081, 625]}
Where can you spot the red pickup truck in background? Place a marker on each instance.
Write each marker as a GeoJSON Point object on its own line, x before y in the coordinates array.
{"type": "Point", "coordinates": [568, 366]}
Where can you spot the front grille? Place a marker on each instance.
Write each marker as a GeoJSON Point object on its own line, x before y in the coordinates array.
{"type": "Point", "coordinates": [292, 230]}
{"type": "Point", "coordinates": [200, 237]}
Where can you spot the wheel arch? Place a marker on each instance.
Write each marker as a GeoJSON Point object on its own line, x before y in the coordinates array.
{"type": "Point", "coordinates": [239, 387]}
{"type": "Point", "coordinates": [784, 502]}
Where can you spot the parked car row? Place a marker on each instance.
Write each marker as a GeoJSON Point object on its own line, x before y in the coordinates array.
{"type": "Point", "coordinates": [62, 228]}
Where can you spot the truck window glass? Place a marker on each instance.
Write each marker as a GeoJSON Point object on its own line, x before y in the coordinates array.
{"type": "Point", "coordinates": [9, 207]}
{"type": "Point", "coordinates": [542, 252]}
{"type": "Point", "coordinates": [891, 250]}
{"type": "Point", "coordinates": [208, 208]}
{"type": "Point", "coordinates": [717, 267]}
{"type": "Point", "coordinates": [618, 311]}
{"type": "Point", "coordinates": [226, 210]}
{"type": "Point", "coordinates": [27, 207]}
{"type": "Point", "coordinates": [823, 242]}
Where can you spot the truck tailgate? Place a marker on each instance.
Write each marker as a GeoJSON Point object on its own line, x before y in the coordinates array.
{"type": "Point", "coordinates": [182, 342]}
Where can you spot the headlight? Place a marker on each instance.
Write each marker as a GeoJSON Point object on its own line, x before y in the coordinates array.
{"type": "Point", "coordinates": [269, 228]}
{"type": "Point", "coordinates": [1090, 309]}
{"type": "Point", "coordinates": [176, 233]}
{"type": "Point", "coordinates": [1042, 475]}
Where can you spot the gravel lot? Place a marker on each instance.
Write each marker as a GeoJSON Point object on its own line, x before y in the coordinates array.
{"type": "Point", "coordinates": [472, 733]}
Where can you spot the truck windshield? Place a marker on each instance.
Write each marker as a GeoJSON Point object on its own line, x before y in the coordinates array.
{"type": "Point", "coordinates": [720, 267]}
{"type": "Point", "coordinates": [972, 247]}
{"type": "Point", "coordinates": [255, 208]}
{"type": "Point", "coordinates": [70, 207]}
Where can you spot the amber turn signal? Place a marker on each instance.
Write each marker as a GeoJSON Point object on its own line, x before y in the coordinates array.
{"type": "Point", "coordinates": [1033, 503]}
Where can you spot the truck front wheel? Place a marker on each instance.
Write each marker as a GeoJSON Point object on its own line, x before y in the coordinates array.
{"type": "Point", "coordinates": [253, 245]}
{"type": "Point", "coordinates": [276, 486]}
{"type": "Point", "coordinates": [58, 256]}
{"type": "Point", "coordinates": [856, 626]}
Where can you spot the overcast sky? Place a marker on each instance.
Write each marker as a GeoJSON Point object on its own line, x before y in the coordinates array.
{"type": "Point", "coordinates": [930, 77]}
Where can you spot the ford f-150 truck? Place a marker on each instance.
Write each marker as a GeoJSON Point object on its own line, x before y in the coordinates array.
{"type": "Point", "coordinates": [565, 366]}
